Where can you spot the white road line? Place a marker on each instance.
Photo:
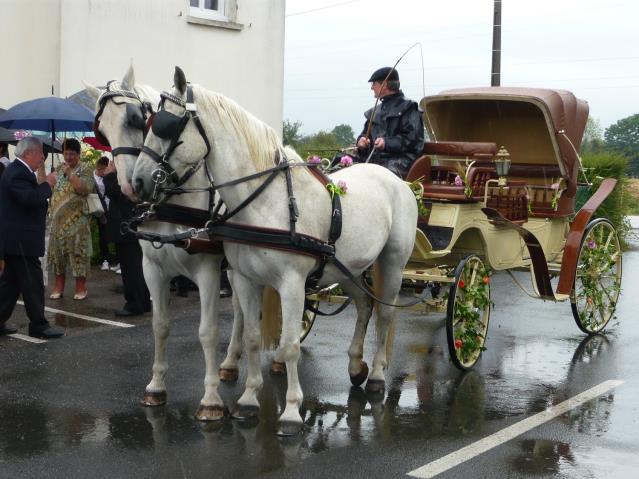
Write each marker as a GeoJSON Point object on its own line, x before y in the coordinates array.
{"type": "Point", "coordinates": [458, 457]}
{"type": "Point", "coordinates": [87, 318]}
{"type": "Point", "coordinates": [26, 338]}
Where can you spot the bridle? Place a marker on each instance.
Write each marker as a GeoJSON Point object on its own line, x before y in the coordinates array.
{"type": "Point", "coordinates": [138, 117]}
{"type": "Point", "coordinates": [167, 126]}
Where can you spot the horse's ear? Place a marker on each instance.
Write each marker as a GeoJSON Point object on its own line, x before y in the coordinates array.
{"type": "Point", "coordinates": [92, 91]}
{"type": "Point", "coordinates": [179, 80]}
{"type": "Point", "coordinates": [128, 82]}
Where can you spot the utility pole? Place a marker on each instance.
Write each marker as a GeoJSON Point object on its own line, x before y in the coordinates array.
{"type": "Point", "coordinates": [495, 76]}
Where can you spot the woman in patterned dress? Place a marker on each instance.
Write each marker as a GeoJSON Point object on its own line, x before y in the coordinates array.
{"type": "Point", "coordinates": [70, 228]}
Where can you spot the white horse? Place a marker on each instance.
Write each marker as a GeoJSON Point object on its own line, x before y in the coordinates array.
{"type": "Point", "coordinates": [379, 218]}
{"type": "Point", "coordinates": [122, 110]}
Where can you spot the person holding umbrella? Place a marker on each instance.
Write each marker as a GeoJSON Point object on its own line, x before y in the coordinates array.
{"type": "Point", "coordinates": [23, 209]}
{"type": "Point", "coordinates": [70, 236]}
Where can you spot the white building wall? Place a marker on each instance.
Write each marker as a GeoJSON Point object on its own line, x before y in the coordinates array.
{"type": "Point", "coordinates": [96, 40]}
{"type": "Point", "coordinates": [30, 50]}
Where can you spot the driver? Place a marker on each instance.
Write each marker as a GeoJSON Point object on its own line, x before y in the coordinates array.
{"type": "Point", "coordinates": [397, 133]}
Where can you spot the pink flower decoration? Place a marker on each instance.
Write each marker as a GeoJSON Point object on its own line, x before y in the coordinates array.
{"type": "Point", "coordinates": [314, 160]}
{"type": "Point", "coordinates": [592, 244]}
{"type": "Point", "coordinates": [342, 185]}
{"type": "Point", "coordinates": [459, 181]}
{"type": "Point", "coordinates": [346, 161]}
{"type": "Point", "coordinates": [555, 186]}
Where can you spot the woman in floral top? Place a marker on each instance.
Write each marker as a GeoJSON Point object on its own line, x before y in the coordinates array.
{"type": "Point", "coordinates": [70, 230]}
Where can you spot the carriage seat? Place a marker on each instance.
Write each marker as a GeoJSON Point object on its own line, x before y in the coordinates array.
{"type": "Point", "coordinates": [439, 180]}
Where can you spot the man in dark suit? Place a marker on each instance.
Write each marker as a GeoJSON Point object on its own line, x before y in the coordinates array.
{"type": "Point", "coordinates": [23, 210]}
{"type": "Point", "coordinates": [127, 248]}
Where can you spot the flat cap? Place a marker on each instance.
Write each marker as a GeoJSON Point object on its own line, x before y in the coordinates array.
{"type": "Point", "coordinates": [381, 74]}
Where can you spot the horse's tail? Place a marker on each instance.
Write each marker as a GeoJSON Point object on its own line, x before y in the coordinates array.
{"type": "Point", "coordinates": [378, 288]}
{"type": "Point", "coordinates": [271, 323]}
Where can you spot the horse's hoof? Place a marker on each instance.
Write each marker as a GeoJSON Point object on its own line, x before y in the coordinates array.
{"type": "Point", "coordinates": [229, 375]}
{"type": "Point", "coordinates": [154, 398]}
{"type": "Point", "coordinates": [245, 413]}
{"type": "Point", "coordinates": [375, 386]}
{"type": "Point", "coordinates": [209, 413]}
{"type": "Point", "coordinates": [360, 377]}
{"type": "Point", "coordinates": [289, 428]}
{"type": "Point", "coordinates": [278, 369]}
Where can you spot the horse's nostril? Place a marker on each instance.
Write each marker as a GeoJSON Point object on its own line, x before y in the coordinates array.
{"type": "Point", "coordinates": [139, 185]}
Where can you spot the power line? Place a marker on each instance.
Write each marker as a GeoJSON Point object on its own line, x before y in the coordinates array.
{"type": "Point", "coordinates": [321, 8]}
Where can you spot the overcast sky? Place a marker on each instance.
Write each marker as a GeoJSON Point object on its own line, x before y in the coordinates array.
{"type": "Point", "coordinates": [332, 46]}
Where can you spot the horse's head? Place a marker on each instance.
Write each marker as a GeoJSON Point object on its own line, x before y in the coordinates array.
{"type": "Point", "coordinates": [122, 111]}
{"type": "Point", "coordinates": [176, 144]}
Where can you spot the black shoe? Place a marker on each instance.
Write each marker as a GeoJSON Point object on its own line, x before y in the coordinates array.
{"type": "Point", "coordinates": [225, 292]}
{"type": "Point", "coordinates": [50, 332]}
{"type": "Point", "coordinates": [125, 313]}
{"type": "Point", "coordinates": [5, 330]}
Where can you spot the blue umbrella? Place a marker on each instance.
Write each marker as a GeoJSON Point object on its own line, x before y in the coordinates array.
{"type": "Point", "coordinates": [49, 113]}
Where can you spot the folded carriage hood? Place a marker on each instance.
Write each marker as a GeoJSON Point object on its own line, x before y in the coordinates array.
{"type": "Point", "coordinates": [537, 126]}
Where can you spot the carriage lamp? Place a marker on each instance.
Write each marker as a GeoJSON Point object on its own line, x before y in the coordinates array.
{"type": "Point", "coordinates": [502, 165]}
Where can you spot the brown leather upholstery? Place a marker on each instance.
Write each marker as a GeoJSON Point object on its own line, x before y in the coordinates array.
{"type": "Point", "coordinates": [439, 185]}
{"type": "Point", "coordinates": [460, 148]}
{"type": "Point", "coordinates": [419, 169]}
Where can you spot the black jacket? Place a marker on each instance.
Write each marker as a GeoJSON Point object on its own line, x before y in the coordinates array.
{"type": "Point", "coordinates": [120, 209]}
{"type": "Point", "coordinates": [23, 211]}
{"type": "Point", "coordinates": [399, 121]}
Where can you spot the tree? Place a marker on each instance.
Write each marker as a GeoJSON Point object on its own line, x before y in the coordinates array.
{"type": "Point", "coordinates": [593, 141]}
{"type": "Point", "coordinates": [623, 137]}
{"type": "Point", "coordinates": [291, 133]}
{"type": "Point", "coordinates": [344, 135]}
{"type": "Point", "coordinates": [322, 143]}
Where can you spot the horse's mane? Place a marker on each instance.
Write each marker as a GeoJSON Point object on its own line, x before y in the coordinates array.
{"type": "Point", "coordinates": [261, 139]}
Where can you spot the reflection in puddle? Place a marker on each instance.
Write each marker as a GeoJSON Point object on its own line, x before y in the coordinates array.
{"type": "Point", "coordinates": [540, 456]}
{"type": "Point", "coordinates": [431, 401]}
{"type": "Point", "coordinates": [67, 322]}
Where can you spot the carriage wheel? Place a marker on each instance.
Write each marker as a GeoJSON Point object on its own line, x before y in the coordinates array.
{"type": "Point", "coordinates": [468, 312]}
{"type": "Point", "coordinates": [598, 277]}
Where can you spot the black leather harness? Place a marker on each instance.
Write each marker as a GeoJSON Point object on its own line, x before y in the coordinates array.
{"type": "Point", "coordinates": [218, 227]}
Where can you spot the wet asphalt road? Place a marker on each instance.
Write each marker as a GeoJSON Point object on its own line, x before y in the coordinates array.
{"type": "Point", "coordinates": [70, 407]}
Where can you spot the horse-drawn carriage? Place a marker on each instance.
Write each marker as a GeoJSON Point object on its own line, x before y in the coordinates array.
{"type": "Point", "coordinates": [499, 194]}
{"type": "Point", "coordinates": [281, 226]}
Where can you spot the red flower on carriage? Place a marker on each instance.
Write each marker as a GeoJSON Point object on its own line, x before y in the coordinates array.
{"type": "Point", "coordinates": [486, 279]}
{"type": "Point", "coordinates": [458, 343]}
{"type": "Point", "coordinates": [461, 284]}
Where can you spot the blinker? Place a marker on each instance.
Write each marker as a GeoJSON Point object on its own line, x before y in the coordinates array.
{"type": "Point", "coordinates": [134, 116]}
{"type": "Point", "coordinates": [166, 125]}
